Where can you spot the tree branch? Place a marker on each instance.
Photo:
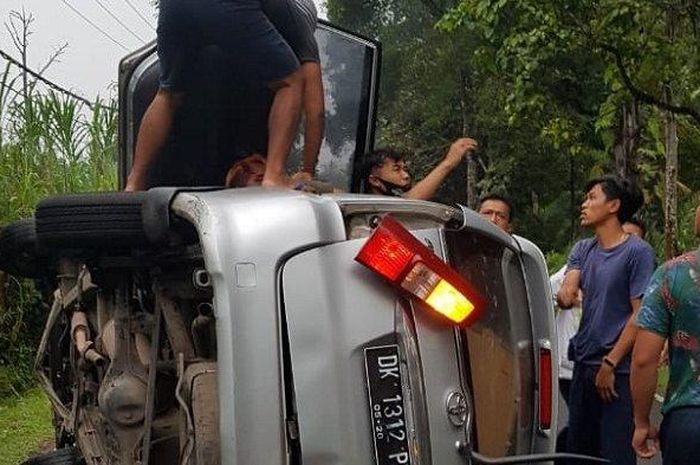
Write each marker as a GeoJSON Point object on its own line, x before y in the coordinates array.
{"type": "Point", "coordinates": [646, 97]}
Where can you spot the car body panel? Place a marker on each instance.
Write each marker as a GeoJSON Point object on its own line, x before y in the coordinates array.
{"type": "Point", "coordinates": [245, 236]}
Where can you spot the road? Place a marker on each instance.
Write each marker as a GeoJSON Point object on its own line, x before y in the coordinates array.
{"type": "Point", "coordinates": [655, 418]}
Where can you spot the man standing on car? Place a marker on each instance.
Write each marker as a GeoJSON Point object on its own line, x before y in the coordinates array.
{"type": "Point", "coordinates": [498, 210]}
{"type": "Point", "coordinates": [385, 172]}
{"type": "Point", "coordinates": [242, 30]}
{"type": "Point", "coordinates": [670, 311]}
{"type": "Point", "coordinates": [612, 271]}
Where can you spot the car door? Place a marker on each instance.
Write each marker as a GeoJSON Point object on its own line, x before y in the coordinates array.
{"type": "Point", "coordinates": [220, 122]}
{"type": "Point", "coordinates": [509, 350]}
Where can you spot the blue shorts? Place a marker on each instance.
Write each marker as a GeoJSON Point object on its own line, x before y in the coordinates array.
{"type": "Point", "coordinates": [238, 27]}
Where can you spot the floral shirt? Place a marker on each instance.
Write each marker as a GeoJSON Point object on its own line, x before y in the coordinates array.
{"type": "Point", "coordinates": [671, 308]}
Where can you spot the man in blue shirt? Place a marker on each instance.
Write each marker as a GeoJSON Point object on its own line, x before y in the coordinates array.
{"type": "Point", "coordinates": [612, 269]}
{"type": "Point", "coordinates": [670, 311]}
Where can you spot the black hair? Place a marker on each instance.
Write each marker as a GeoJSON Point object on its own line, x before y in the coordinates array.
{"type": "Point", "coordinates": [638, 223]}
{"type": "Point", "coordinates": [500, 198]}
{"type": "Point", "coordinates": [617, 188]}
{"type": "Point", "coordinates": [376, 159]}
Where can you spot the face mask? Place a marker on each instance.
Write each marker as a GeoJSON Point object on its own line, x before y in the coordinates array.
{"type": "Point", "coordinates": [394, 189]}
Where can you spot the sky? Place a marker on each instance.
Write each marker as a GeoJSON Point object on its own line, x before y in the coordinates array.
{"type": "Point", "coordinates": [98, 33]}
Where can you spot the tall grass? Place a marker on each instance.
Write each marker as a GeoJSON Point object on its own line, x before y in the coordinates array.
{"type": "Point", "coordinates": [50, 143]}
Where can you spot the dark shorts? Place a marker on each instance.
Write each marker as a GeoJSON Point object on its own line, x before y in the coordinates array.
{"type": "Point", "coordinates": [296, 21]}
{"type": "Point", "coordinates": [238, 27]}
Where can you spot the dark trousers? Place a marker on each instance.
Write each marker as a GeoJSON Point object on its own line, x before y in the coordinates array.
{"type": "Point", "coordinates": [680, 436]}
{"type": "Point", "coordinates": [598, 428]}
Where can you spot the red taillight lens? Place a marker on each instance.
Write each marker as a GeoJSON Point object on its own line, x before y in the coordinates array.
{"type": "Point", "coordinates": [386, 255]}
{"type": "Point", "coordinates": [545, 388]}
{"type": "Point", "coordinates": [395, 254]}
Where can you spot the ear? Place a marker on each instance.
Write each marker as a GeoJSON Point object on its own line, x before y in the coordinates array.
{"type": "Point", "coordinates": [375, 182]}
{"type": "Point", "coordinates": [614, 206]}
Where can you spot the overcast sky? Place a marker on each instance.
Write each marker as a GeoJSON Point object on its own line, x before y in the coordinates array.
{"type": "Point", "coordinates": [89, 64]}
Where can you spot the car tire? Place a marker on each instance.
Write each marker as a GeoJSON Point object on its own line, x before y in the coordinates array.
{"type": "Point", "coordinates": [65, 456]}
{"type": "Point", "coordinates": [91, 221]}
{"type": "Point", "coordinates": [18, 251]}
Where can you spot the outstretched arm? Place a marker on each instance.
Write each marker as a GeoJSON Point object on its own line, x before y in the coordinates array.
{"type": "Point", "coordinates": [153, 132]}
{"type": "Point", "coordinates": [425, 189]}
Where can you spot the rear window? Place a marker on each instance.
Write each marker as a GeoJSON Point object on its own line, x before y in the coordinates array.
{"type": "Point", "coordinates": [499, 346]}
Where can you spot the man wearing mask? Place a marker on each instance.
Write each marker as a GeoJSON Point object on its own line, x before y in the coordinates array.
{"type": "Point", "coordinates": [385, 172]}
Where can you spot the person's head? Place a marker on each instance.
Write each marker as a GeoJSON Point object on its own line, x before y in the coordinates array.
{"type": "Point", "coordinates": [609, 198]}
{"type": "Point", "coordinates": [246, 172]}
{"type": "Point", "coordinates": [498, 210]}
{"type": "Point", "coordinates": [385, 172]}
{"type": "Point", "coordinates": [634, 226]}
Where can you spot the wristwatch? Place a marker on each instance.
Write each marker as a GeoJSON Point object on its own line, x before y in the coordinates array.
{"type": "Point", "coordinates": [609, 362]}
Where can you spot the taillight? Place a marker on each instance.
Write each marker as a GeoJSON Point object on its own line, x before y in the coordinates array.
{"type": "Point", "coordinates": [545, 411]}
{"type": "Point", "coordinates": [395, 254]}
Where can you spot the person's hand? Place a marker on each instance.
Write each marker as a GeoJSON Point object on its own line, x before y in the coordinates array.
{"type": "Point", "coordinates": [301, 177]}
{"type": "Point", "coordinates": [645, 441]}
{"type": "Point", "coordinates": [458, 149]}
{"type": "Point", "coordinates": [605, 383]}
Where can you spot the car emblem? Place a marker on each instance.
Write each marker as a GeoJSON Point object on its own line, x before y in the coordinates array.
{"type": "Point", "coordinates": [457, 408]}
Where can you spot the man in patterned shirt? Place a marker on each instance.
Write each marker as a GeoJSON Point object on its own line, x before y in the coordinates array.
{"type": "Point", "coordinates": [670, 310]}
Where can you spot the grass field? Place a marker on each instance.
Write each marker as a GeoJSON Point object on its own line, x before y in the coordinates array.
{"type": "Point", "coordinates": [25, 426]}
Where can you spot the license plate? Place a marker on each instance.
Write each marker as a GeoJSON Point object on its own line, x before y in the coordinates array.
{"type": "Point", "coordinates": [386, 405]}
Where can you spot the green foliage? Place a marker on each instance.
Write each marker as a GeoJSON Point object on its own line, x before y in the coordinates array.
{"type": "Point", "coordinates": [49, 144]}
{"type": "Point", "coordinates": [540, 84]}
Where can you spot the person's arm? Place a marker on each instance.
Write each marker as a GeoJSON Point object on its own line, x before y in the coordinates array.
{"type": "Point", "coordinates": [425, 189]}
{"type": "Point", "coordinates": [642, 268]}
{"type": "Point", "coordinates": [643, 381]}
{"type": "Point", "coordinates": [568, 294]}
{"type": "Point", "coordinates": [314, 115]}
{"type": "Point", "coordinates": [605, 379]}
{"type": "Point", "coordinates": [153, 132]}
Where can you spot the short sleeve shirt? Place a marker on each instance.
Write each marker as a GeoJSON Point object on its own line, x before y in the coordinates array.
{"type": "Point", "coordinates": [671, 309]}
{"type": "Point", "coordinates": [610, 279]}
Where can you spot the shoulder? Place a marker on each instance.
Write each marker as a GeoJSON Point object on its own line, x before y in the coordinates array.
{"type": "Point", "coordinates": [639, 247]}
{"type": "Point", "coordinates": [685, 261]}
{"type": "Point", "coordinates": [585, 245]}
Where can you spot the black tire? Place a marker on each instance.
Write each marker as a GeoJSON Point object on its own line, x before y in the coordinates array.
{"type": "Point", "coordinates": [66, 456]}
{"type": "Point", "coordinates": [91, 221]}
{"type": "Point", "coordinates": [18, 249]}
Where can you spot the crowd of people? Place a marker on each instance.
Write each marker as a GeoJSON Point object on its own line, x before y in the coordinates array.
{"type": "Point", "coordinates": [617, 317]}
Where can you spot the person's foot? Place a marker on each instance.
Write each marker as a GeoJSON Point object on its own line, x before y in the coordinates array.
{"type": "Point", "coordinates": [281, 181]}
{"type": "Point", "coordinates": [134, 184]}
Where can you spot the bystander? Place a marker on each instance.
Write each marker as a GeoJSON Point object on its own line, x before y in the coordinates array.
{"type": "Point", "coordinates": [670, 310]}
{"type": "Point", "coordinates": [612, 271]}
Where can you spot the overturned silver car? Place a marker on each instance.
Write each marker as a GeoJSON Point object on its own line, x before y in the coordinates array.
{"type": "Point", "coordinates": [236, 326]}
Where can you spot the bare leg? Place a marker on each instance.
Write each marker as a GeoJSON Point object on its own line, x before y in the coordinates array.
{"type": "Point", "coordinates": [154, 130]}
{"type": "Point", "coordinates": [283, 123]}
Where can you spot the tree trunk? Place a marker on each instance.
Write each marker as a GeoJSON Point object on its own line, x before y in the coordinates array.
{"type": "Point", "coordinates": [466, 109]}
{"type": "Point", "coordinates": [627, 140]}
{"type": "Point", "coordinates": [671, 146]}
{"type": "Point", "coordinates": [671, 192]}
